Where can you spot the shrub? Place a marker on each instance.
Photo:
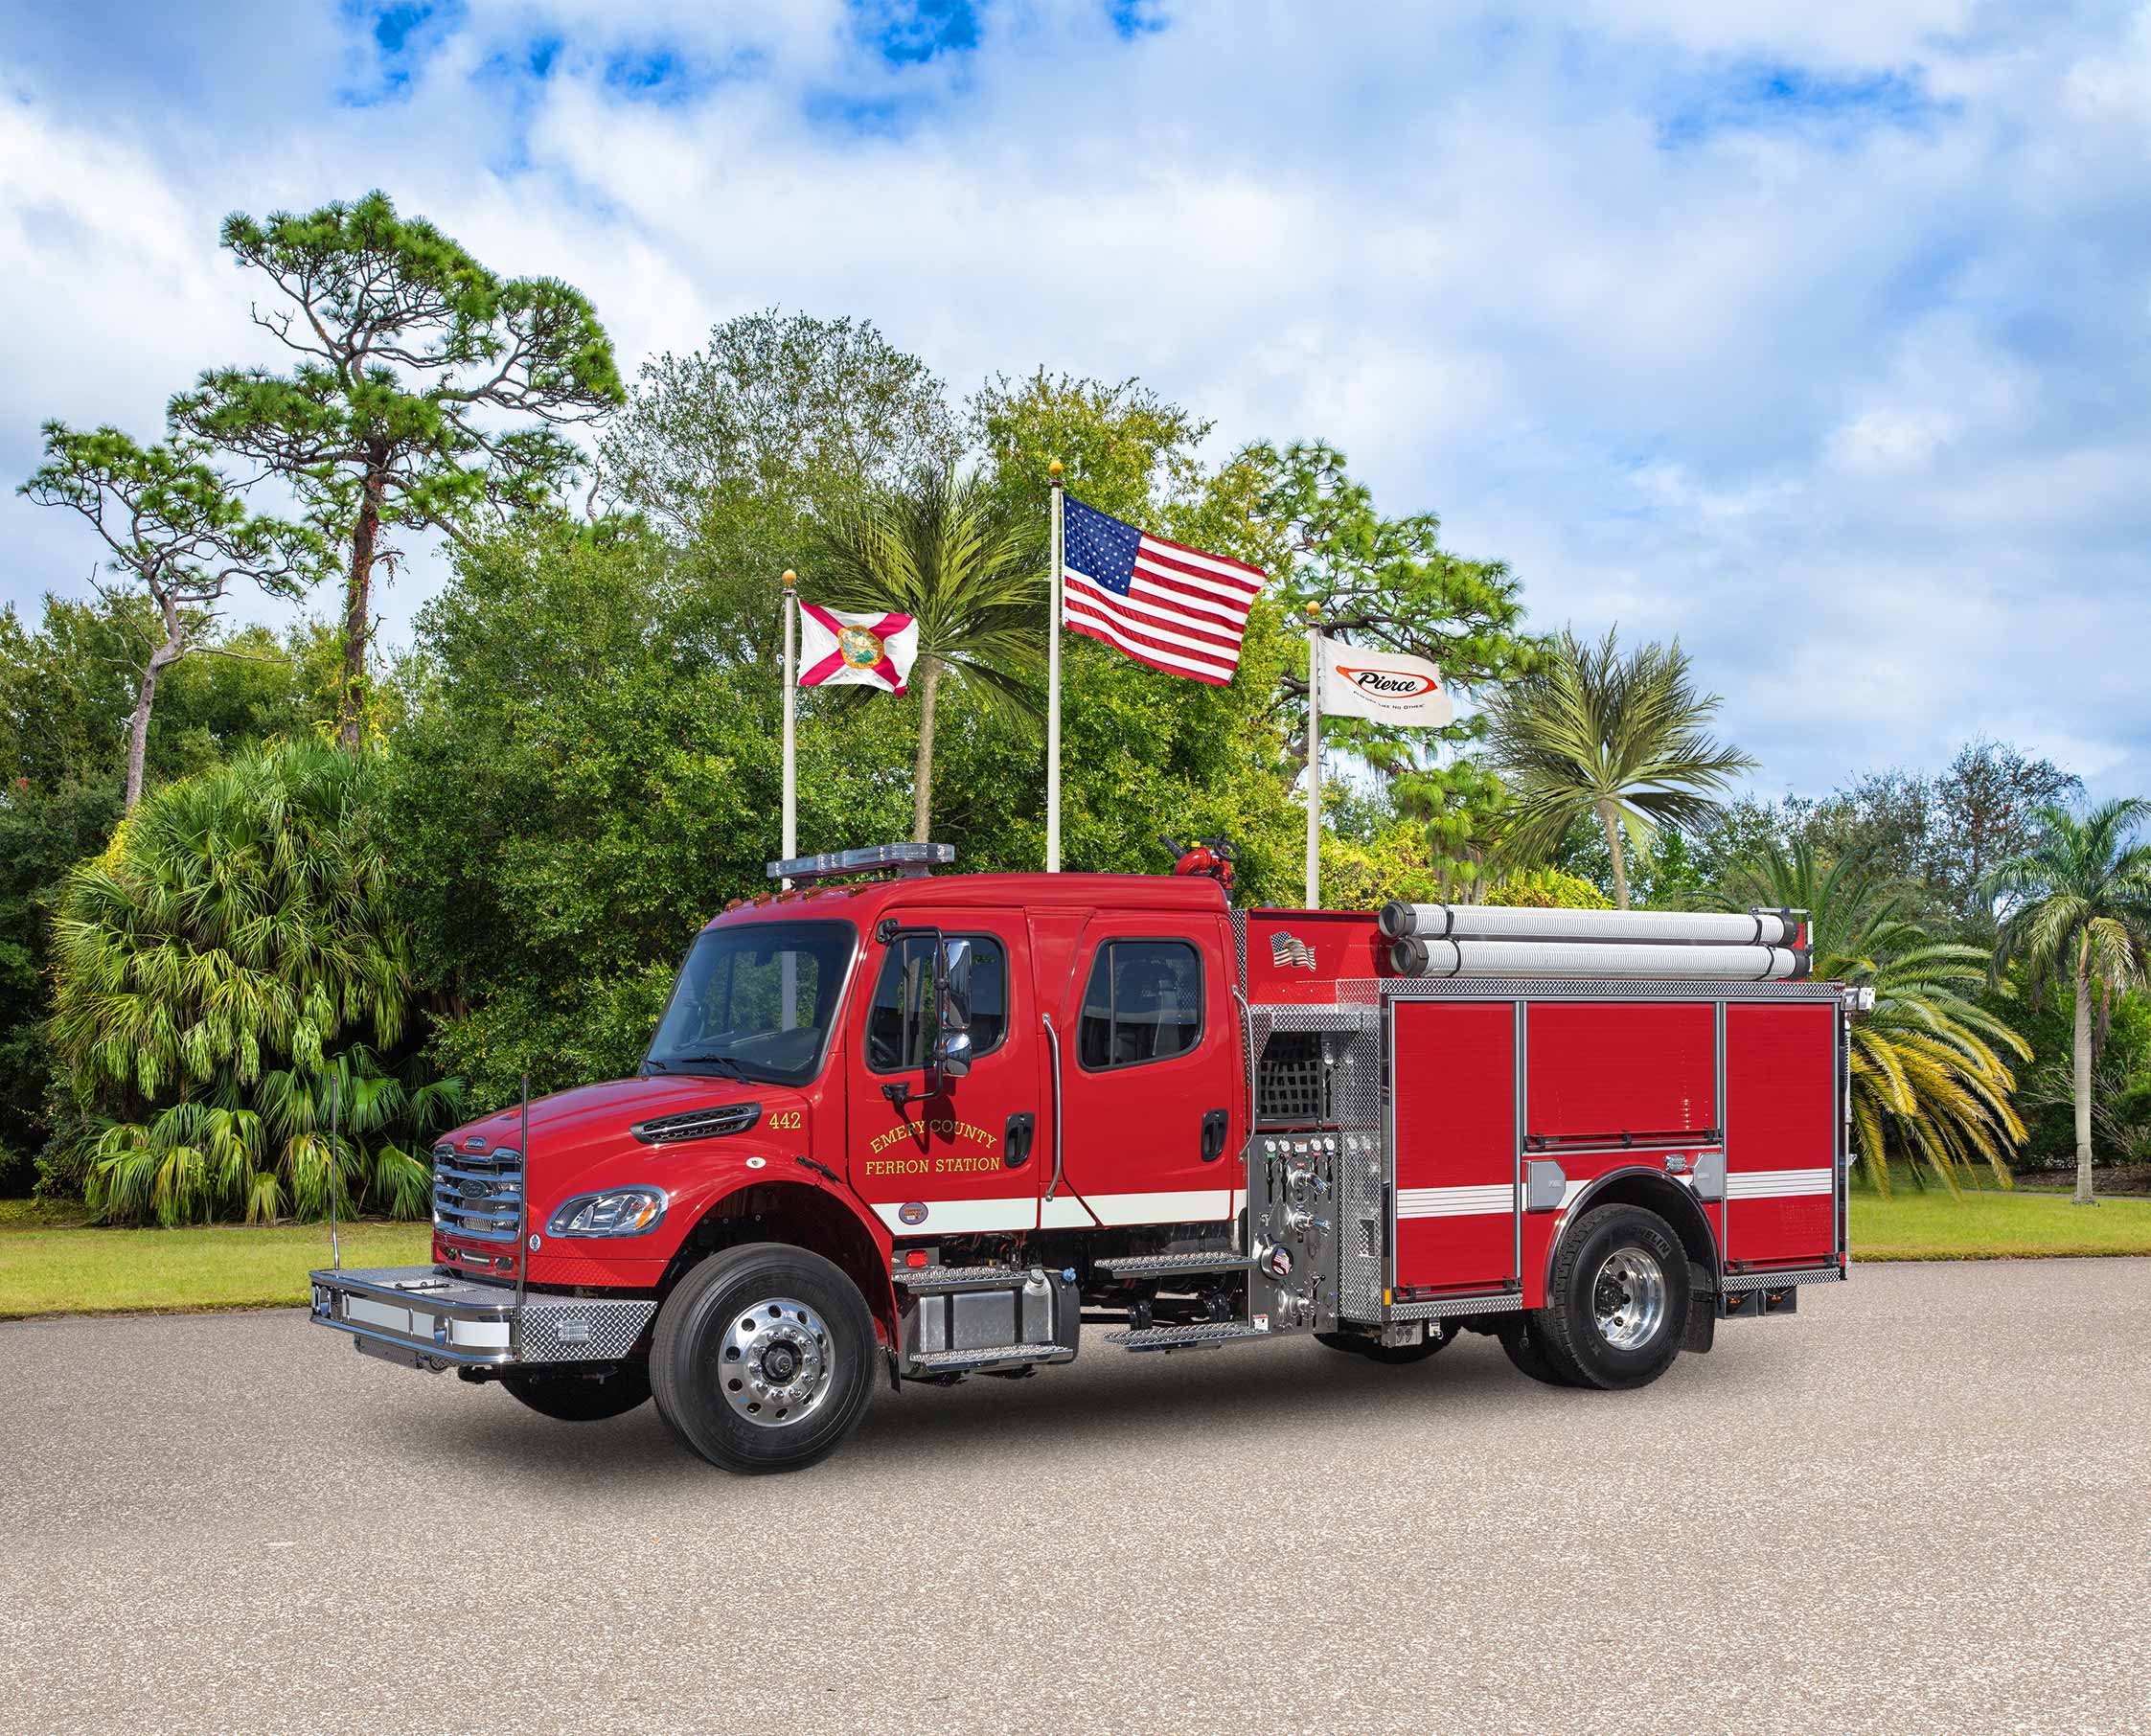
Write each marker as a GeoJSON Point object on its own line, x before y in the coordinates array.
{"type": "Point", "coordinates": [218, 972]}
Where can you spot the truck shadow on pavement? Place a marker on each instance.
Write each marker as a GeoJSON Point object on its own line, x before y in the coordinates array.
{"type": "Point", "coordinates": [1152, 1406]}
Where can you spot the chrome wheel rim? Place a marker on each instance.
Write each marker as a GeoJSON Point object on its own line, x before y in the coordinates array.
{"type": "Point", "coordinates": [1628, 1298]}
{"type": "Point", "coordinates": [773, 1362]}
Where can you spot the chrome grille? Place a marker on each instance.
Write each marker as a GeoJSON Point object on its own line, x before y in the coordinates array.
{"type": "Point", "coordinates": [478, 1195]}
{"type": "Point", "coordinates": [698, 1124]}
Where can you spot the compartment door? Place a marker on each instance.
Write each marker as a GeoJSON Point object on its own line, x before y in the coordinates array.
{"type": "Point", "coordinates": [1452, 1080]}
{"type": "Point", "coordinates": [1781, 1176]}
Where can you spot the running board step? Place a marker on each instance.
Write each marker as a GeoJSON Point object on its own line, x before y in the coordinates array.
{"type": "Point", "coordinates": [940, 1280]}
{"type": "Point", "coordinates": [1176, 1337]}
{"type": "Point", "coordinates": [967, 1361]}
{"type": "Point", "coordinates": [1168, 1265]}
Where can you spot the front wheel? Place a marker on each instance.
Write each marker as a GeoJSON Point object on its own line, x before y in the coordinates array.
{"type": "Point", "coordinates": [574, 1398]}
{"type": "Point", "coordinates": [762, 1359]}
{"type": "Point", "coordinates": [1618, 1308]}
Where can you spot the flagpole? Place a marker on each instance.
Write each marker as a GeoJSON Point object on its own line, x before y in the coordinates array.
{"type": "Point", "coordinates": [790, 607]}
{"type": "Point", "coordinates": [1313, 756]}
{"type": "Point", "coordinates": [788, 975]}
{"type": "Point", "coordinates": [1053, 688]}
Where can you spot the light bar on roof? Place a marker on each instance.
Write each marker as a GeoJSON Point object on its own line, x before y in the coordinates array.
{"type": "Point", "coordinates": [902, 859]}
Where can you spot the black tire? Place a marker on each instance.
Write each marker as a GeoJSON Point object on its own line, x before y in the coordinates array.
{"type": "Point", "coordinates": [1527, 1349]}
{"type": "Point", "coordinates": [573, 1397]}
{"type": "Point", "coordinates": [1618, 1305]}
{"type": "Point", "coordinates": [709, 1373]}
{"type": "Point", "coordinates": [1396, 1355]}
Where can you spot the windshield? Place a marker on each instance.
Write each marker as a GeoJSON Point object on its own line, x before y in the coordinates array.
{"type": "Point", "coordinates": [755, 1001]}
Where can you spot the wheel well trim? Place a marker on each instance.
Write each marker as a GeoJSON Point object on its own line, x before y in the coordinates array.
{"type": "Point", "coordinates": [1659, 1187]}
{"type": "Point", "coordinates": [880, 1295]}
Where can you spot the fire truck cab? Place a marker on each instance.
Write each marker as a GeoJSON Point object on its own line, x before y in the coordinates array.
{"type": "Point", "coordinates": [911, 1127]}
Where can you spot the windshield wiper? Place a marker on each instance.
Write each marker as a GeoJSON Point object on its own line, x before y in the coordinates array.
{"type": "Point", "coordinates": [730, 1066]}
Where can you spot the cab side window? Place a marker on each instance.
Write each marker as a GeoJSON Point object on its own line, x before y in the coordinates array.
{"type": "Point", "coordinates": [900, 1022]}
{"type": "Point", "coordinates": [1144, 1003]}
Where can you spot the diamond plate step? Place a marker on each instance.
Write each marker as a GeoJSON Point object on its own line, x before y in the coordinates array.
{"type": "Point", "coordinates": [1172, 1338]}
{"type": "Point", "coordinates": [1165, 1265]}
{"type": "Point", "coordinates": [958, 1361]}
{"type": "Point", "coordinates": [940, 1280]}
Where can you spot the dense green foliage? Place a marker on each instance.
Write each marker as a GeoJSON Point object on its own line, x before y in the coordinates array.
{"type": "Point", "coordinates": [229, 961]}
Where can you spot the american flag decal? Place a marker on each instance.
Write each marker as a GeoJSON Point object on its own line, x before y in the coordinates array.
{"type": "Point", "coordinates": [1288, 950]}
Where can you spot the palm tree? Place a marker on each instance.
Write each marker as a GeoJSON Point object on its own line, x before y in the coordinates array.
{"type": "Point", "coordinates": [1927, 1080]}
{"type": "Point", "coordinates": [2079, 908]}
{"type": "Point", "coordinates": [212, 971]}
{"type": "Point", "coordinates": [944, 550]}
{"type": "Point", "coordinates": [1621, 738]}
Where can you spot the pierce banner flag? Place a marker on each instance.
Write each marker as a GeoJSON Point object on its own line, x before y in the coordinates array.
{"type": "Point", "coordinates": [1382, 686]}
{"type": "Point", "coordinates": [844, 647]}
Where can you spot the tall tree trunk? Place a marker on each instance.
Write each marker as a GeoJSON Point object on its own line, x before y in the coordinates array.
{"type": "Point", "coordinates": [922, 776]}
{"type": "Point", "coordinates": [2084, 1083]}
{"type": "Point", "coordinates": [173, 648]}
{"type": "Point", "coordinates": [358, 594]}
{"type": "Point", "coordinates": [1608, 816]}
{"type": "Point", "coordinates": [138, 727]}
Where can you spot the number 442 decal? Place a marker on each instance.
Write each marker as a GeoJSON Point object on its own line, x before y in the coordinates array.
{"type": "Point", "coordinates": [786, 1118]}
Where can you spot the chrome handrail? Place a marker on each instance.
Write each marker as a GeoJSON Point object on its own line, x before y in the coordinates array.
{"type": "Point", "coordinates": [1053, 1052]}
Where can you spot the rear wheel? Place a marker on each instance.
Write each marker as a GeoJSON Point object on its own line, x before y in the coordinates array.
{"type": "Point", "coordinates": [1527, 1348]}
{"type": "Point", "coordinates": [762, 1359]}
{"type": "Point", "coordinates": [1618, 1308]}
{"type": "Point", "coordinates": [578, 1398]}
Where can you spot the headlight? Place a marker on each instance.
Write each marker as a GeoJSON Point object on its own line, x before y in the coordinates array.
{"type": "Point", "coordinates": [621, 1211]}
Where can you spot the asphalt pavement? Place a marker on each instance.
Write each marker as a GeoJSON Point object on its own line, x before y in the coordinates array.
{"type": "Point", "coordinates": [1921, 1504]}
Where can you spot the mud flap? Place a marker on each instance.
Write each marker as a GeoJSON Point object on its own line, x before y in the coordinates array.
{"type": "Point", "coordinates": [1702, 1311]}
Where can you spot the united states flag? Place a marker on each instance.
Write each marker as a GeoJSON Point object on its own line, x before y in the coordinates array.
{"type": "Point", "coordinates": [1171, 606]}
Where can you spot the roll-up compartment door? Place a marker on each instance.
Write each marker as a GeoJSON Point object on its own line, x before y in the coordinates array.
{"type": "Point", "coordinates": [1453, 1078]}
{"type": "Point", "coordinates": [1605, 1072]}
{"type": "Point", "coordinates": [1781, 1133]}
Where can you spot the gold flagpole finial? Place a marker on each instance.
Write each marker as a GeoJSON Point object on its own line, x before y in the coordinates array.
{"type": "Point", "coordinates": [790, 578]}
{"type": "Point", "coordinates": [1314, 611]}
{"type": "Point", "coordinates": [1053, 468]}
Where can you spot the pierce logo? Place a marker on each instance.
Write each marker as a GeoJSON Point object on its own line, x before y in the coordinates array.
{"type": "Point", "coordinates": [912, 1211]}
{"type": "Point", "coordinates": [1390, 683]}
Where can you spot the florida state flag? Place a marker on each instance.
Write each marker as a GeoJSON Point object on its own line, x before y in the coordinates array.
{"type": "Point", "coordinates": [839, 647]}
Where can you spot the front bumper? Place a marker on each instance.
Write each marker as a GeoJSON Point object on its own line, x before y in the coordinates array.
{"type": "Point", "coordinates": [415, 1316]}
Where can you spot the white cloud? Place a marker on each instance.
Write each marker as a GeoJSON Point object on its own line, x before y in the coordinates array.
{"type": "Point", "coordinates": [1814, 334]}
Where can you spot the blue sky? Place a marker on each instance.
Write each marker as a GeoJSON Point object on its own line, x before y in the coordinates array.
{"type": "Point", "coordinates": [1819, 334]}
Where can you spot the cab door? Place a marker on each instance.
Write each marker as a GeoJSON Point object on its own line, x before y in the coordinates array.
{"type": "Point", "coordinates": [1151, 1086]}
{"type": "Point", "coordinates": [942, 1155]}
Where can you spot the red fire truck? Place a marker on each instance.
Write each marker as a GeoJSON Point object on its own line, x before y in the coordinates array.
{"type": "Point", "coordinates": [921, 1127]}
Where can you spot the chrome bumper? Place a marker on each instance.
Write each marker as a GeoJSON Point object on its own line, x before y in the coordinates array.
{"type": "Point", "coordinates": [415, 1316]}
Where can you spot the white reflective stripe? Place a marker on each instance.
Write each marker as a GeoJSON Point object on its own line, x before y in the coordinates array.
{"type": "Point", "coordinates": [1239, 1201]}
{"type": "Point", "coordinates": [1065, 1211]}
{"type": "Point", "coordinates": [488, 1335]}
{"type": "Point", "coordinates": [1454, 1201]}
{"type": "Point", "coordinates": [1202, 1208]}
{"type": "Point", "coordinates": [1778, 1184]}
{"type": "Point", "coordinates": [963, 1217]}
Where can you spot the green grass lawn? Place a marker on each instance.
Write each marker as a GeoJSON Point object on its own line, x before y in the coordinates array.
{"type": "Point", "coordinates": [50, 1267]}
{"type": "Point", "coordinates": [50, 1262]}
{"type": "Point", "coordinates": [1988, 1224]}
